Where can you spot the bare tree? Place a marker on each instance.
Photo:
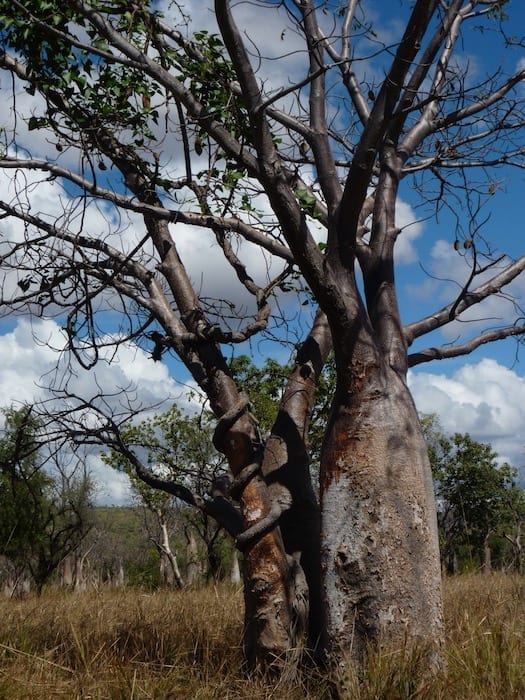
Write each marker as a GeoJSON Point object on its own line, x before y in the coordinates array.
{"type": "Point", "coordinates": [159, 130]}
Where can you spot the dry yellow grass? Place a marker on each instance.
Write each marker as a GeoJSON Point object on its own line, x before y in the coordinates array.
{"type": "Point", "coordinates": [124, 643]}
{"type": "Point", "coordinates": [485, 651]}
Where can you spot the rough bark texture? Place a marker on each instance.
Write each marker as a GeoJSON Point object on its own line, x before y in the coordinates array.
{"type": "Point", "coordinates": [380, 553]}
{"type": "Point", "coordinates": [286, 468]}
{"type": "Point", "coordinates": [266, 570]}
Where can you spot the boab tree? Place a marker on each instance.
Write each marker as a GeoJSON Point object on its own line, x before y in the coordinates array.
{"type": "Point", "coordinates": [132, 115]}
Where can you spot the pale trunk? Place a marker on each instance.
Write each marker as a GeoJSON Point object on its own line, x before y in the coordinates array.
{"type": "Point", "coordinates": [235, 572]}
{"type": "Point", "coordinates": [487, 556]}
{"type": "Point", "coordinates": [119, 578]}
{"type": "Point", "coordinates": [192, 558]}
{"type": "Point", "coordinates": [169, 567]}
{"type": "Point", "coordinates": [517, 549]}
{"type": "Point", "coordinates": [380, 554]}
{"type": "Point", "coordinates": [67, 570]}
{"type": "Point", "coordinates": [80, 582]}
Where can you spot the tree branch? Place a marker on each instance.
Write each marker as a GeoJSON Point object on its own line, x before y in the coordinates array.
{"type": "Point", "coordinates": [469, 298]}
{"type": "Point", "coordinates": [447, 351]}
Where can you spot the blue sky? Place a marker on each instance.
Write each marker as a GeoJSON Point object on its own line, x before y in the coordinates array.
{"type": "Point", "coordinates": [483, 394]}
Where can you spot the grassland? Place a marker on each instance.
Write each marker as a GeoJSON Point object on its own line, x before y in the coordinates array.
{"type": "Point", "coordinates": [125, 643]}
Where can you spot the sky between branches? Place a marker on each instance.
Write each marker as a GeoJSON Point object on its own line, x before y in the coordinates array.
{"type": "Point", "coordinates": [483, 394]}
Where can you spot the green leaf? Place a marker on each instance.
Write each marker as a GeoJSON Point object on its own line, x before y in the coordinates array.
{"type": "Point", "coordinates": [37, 123]}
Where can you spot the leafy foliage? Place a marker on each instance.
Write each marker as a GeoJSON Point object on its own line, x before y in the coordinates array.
{"type": "Point", "coordinates": [176, 445]}
{"type": "Point", "coordinates": [42, 517]}
{"type": "Point", "coordinates": [179, 448]}
{"type": "Point", "coordinates": [23, 488]}
{"type": "Point", "coordinates": [476, 496]}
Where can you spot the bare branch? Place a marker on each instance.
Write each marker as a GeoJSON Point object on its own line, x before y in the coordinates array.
{"type": "Point", "coordinates": [448, 351]}
{"type": "Point", "coordinates": [468, 299]}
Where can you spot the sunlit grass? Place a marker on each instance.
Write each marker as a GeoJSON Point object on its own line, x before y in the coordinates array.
{"type": "Point", "coordinates": [124, 643]}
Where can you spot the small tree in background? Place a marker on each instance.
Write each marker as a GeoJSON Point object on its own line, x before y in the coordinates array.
{"type": "Point", "coordinates": [479, 503]}
{"type": "Point", "coordinates": [177, 448]}
{"type": "Point", "coordinates": [44, 513]}
{"type": "Point", "coordinates": [514, 529]}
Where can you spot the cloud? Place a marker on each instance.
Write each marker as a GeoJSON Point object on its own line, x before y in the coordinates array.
{"type": "Point", "coordinates": [449, 272]}
{"type": "Point", "coordinates": [484, 399]}
{"type": "Point", "coordinates": [111, 487]}
{"type": "Point", "coordinates": [213, 277]}
{"type": "Point", "coordinates": [411, 229]}
{"type": "Point", "coordinates": [279, 56]}
{"type": "Point", "coordinates": [16, 106]}
{"type": "Point", "coordinates": [23, 362]}
{"type": "Point", "coordinates": [28, 358]}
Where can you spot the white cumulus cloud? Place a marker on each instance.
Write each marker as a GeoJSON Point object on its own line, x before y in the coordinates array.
{"type": "Point", "coordinates": [484, 399]}
{"type": "Point", "coordinates": [28, 358]}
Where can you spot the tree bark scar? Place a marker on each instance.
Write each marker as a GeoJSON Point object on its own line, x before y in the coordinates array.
{"type": "Point", "coordinates": [346, 450]}
{"type": "Point", "coordinates": [348, 431]}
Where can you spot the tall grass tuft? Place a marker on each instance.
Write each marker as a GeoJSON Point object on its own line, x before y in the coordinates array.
{"type": "Point", "coordinates": [129, 644]}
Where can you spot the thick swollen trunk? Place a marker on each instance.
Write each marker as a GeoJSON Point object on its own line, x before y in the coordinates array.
{"type": "Point", "coordinates": [380, 555]}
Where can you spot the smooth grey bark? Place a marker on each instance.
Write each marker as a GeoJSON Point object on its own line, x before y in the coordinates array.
{"type": "Point", "coordinates": [380, 553]}
{"type": "Point", "coordinates": [235, 570]}
{"type": "Point", "coordinates": [169, 567]}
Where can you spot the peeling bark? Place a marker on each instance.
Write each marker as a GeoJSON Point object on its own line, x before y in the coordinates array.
{"type": "Point", "coordinates": [286, 468]}
{"type": "Point", "coordinates": [380, 554]}
{"type": "Point", "coordinates": [266, 567]}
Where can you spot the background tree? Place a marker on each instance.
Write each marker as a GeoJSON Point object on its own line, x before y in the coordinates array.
{"type": "Point", "coordinates": [23, 485]}
{"type": "Point", "coordinates": [158, 512]}
{"type": "Point", "coordinates": [478, 499]}
{"type": "Point", "coordinates": [43, 516]}
{"type": "Point", "coordinates": [177, 447]}
{"type": "Point", "coordinates": [117, 551]}
{"type": "Point", "coordinates": [171, 128]}
{"type": "Point", "coordinates": [513, 528]}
